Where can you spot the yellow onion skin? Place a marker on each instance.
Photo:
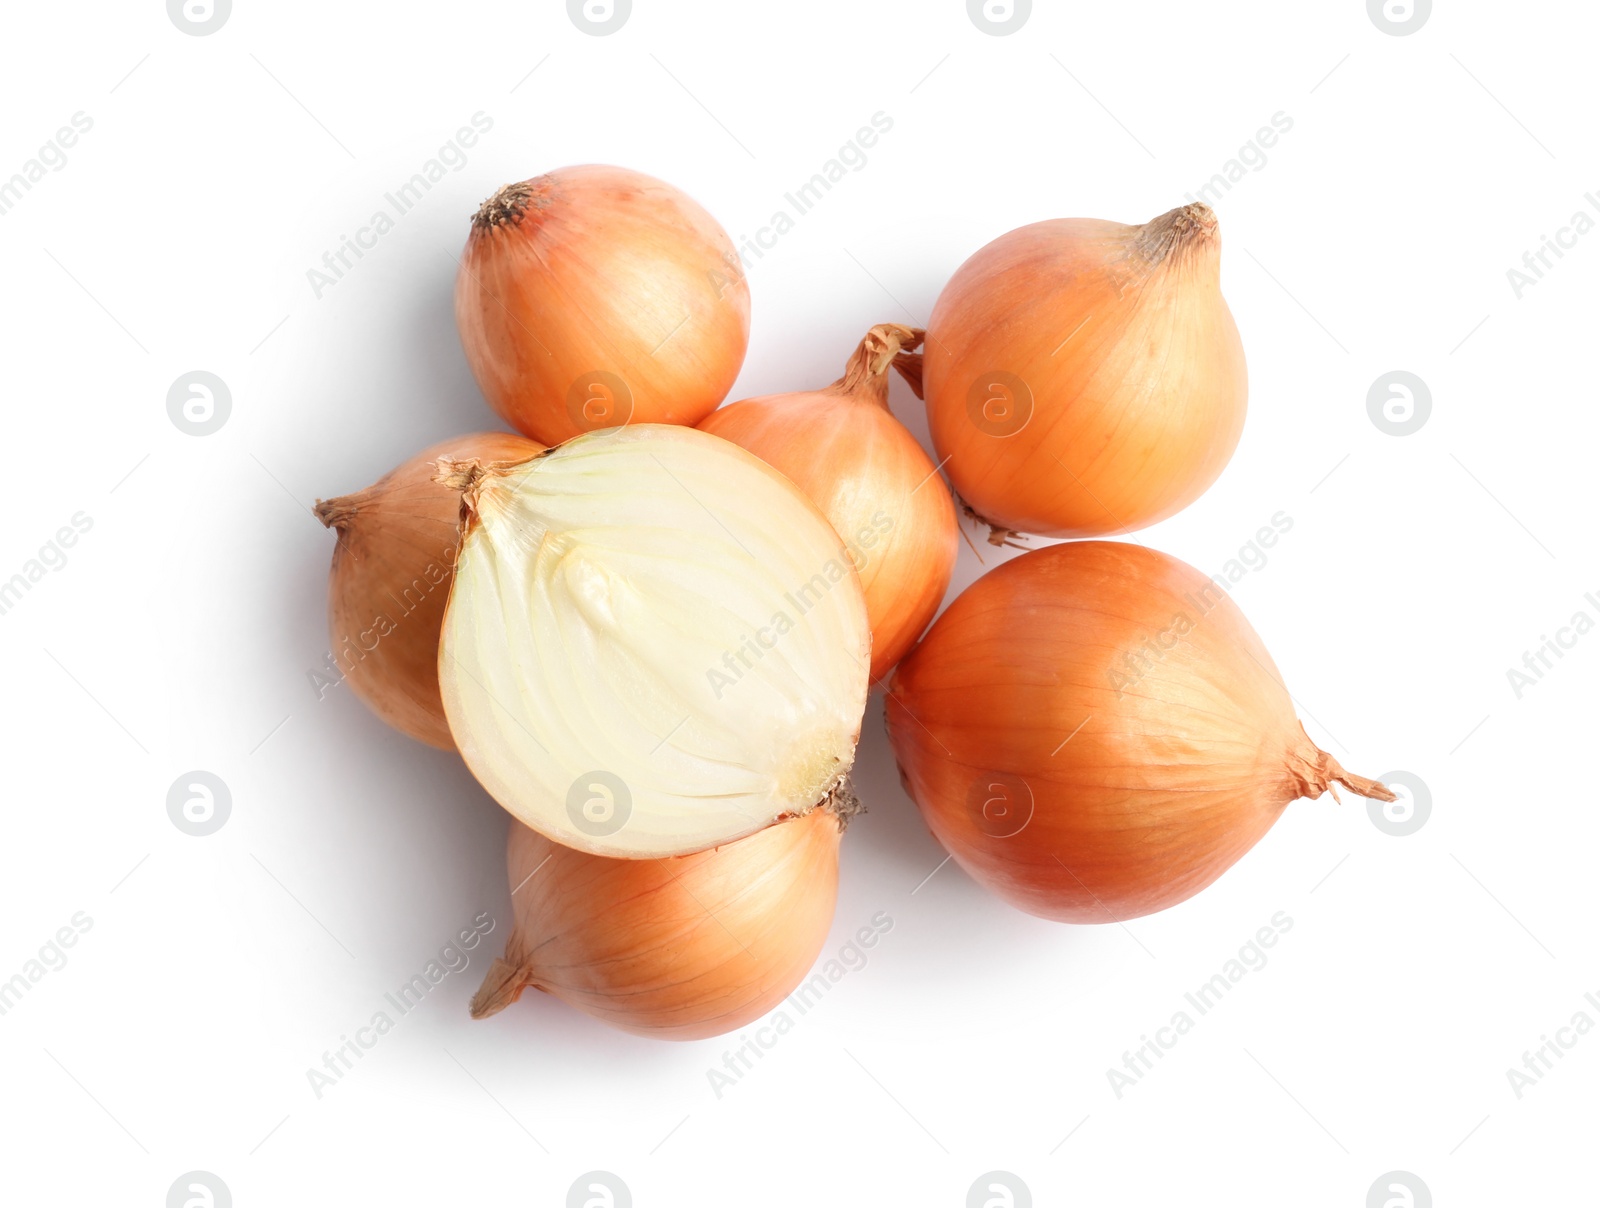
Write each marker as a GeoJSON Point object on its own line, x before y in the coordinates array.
{"type": "Point", "coordinates": [845, 450]}
{"type": "Point", "coordinates": [595, 296]}
{"type": "Point", "coordinates": [392, 569]}
{"type": "Point", "coordinates": [1094, 732]}
{"type": "Point", "coordinates": [678, 948]}
{"type": "Point", "coordinates": [1084, 377]}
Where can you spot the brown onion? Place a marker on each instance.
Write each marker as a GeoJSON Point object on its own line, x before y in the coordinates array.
{"type": "Point", "coordinates": [1094, 732]}
{"type": "Point", "coordinates": [392, 569]}
{"type": "Point", "coordinates": [1085, 377]}
{"type": "Point", "coordinates": [680, 948]}
{"type": "Point", "coordinates": [843, 447]}
{"type": "Point", "coordinates": [596, 296]}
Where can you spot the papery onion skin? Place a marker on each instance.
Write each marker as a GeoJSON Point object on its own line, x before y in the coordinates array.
{"type": "Point", "coordinates": [679, 948]}
{"type": "Point", "coordinates": [594, 296]}
{"type": "Point", "coordinates": [844, 448]}
{"type": "Point", "coordinates": [1095, 732]}
{"type": "Point", "coordinates": [1084, 377]}
{"type": "Point", "coordinates": [390, 580]}
{"type": "Point", "coordinates": [599, 662]}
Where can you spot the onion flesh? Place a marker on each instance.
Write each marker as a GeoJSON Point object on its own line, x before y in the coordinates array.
{"type": "Point", "coordinates": [655, 643]}
{"type": "Point", "coordinates": [1094, 732]}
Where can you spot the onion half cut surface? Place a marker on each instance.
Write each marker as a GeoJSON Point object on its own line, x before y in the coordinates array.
{"type": "Point", "coordinates": [655, 643]}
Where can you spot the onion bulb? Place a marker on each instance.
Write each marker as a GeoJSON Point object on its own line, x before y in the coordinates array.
{"type": "Point", "coordinates": [683, 948]}
{"type": "Point", "coordinates": [1085, 377]}
{"type": "Point", "coordinates": [1094, 732]}
{"type": "Point", "coordinates": [594, 296]}
{"type": "Point", "coordinates": [655, 643]}
{"type": "Point", "coordinates": [392, 567]}
{"type": "Point", "coordinates": [843, 447]}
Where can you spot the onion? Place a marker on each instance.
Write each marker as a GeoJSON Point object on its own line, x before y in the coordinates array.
{"type": "Point", "coordinates": [1085, 377]}
{"type": "Point", "coordinates": [1094, 732]}
{"type": "Point", "coordinates": [391, 575]}
{"type": "Point", "coordinates": [655, 643]}
{"type": "Point", "coordinates": [842, 446]}
{"type": "Point", "coordinates": [594, 296]}
{"type": "Point", "coordinates": [683, 948]}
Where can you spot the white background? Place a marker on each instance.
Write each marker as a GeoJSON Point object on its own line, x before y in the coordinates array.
{"type": "Point", "coordinates": [180, 633]}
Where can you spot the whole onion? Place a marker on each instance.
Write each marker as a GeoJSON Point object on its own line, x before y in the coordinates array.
{"type": "Point", "coordinates": [595, 296]}
{"type": "Point", "coordinates": [1094, 732]}
{"type": "Point", "coordinates": [680, 948]}
{"type": "Point", "coordinates": [393, 565]}
{"type": "Point", "coordinates": [1085, 377]}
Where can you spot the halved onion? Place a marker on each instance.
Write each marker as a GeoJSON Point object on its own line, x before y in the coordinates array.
{"type": "Point", "coordinates": [655, 643]}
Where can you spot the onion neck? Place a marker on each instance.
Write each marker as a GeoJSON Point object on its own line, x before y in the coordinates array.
{"type": "Point", "coordinates": [1314, 772]}
{"type": "Point", "coordinates": [337, 513]}
{"type": "Point", "coordinates": [502, 986]}
{"type": "Point", "coordinates": [1184, 237]}
{"type": "Point", "coordinates": [468, 476]}
{"type": "Point", "coordinates": [510, 203]}
{"type": "Point", "coordinates": [866, 374]}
